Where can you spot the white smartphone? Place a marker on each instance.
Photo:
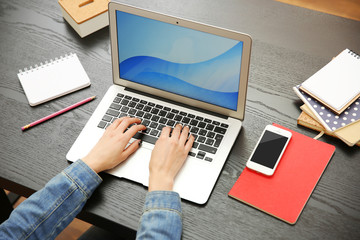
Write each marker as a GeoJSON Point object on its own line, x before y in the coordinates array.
{"type": "Point", "coordinates": [269, 149]}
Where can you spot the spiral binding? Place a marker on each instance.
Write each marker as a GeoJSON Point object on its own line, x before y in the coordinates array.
{"type": "Point", "coordinates": [45, 64]}
{"type": "Point", "coordinates": [354, 54]}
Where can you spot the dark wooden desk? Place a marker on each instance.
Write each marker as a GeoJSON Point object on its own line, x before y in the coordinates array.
{"type": "Point", "coordinates": [289, 45]}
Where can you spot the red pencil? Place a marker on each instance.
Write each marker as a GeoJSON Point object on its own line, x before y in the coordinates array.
{"type": "Point", "coordinates": [57, 113]}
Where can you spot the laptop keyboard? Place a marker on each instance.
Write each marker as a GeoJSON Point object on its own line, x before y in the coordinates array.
{"type": "Point", "coordinates": [208, 134]}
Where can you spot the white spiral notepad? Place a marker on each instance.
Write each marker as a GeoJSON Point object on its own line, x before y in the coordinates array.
{"type": "Point", "coordinates": [52, 79]}
{"type": "Point", "coordinates": [337, 84]}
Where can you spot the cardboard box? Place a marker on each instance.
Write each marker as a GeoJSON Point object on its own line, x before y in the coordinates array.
{"type": "Point", "coordinates": [85, 16]}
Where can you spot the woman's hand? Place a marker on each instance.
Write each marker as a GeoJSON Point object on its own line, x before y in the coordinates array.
{"type": "Point", "coordinates": [168, 157]}
{"type": "Point", "coordinates": [110, 150]}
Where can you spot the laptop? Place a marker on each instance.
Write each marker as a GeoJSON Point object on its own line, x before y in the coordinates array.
{"type": "Point", "coordinates": [168, 70]}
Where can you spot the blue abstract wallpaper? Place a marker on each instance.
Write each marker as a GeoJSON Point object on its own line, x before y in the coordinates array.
{"type": "Point", "coordinates": [183, 61]}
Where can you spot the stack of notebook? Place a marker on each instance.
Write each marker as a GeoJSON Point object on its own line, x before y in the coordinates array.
{"type": "Point", "coordinates": [332, 99]}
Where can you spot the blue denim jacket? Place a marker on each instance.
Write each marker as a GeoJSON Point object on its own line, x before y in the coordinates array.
{"type": "Point", "coordinates": [47, 212]}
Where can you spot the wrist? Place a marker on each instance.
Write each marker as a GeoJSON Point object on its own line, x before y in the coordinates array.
{"type": "Point", "coordinates": [160, 183]}
{"type": "Point", "coordinates": [92, 164]}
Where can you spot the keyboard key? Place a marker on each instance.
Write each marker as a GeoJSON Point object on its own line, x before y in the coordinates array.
{"type": "Point", "coordinates": [201, 124]}
{"type": "Point", "coordinates": [162, 113]}
{"type": "Point", "coordinates": [160, 127]}
{"type": "Point", "coordinates": [201, 155]}
{"type": "Point", "coordinates": [201, 139]}
{"type": "Point", "coordinates": [124, 102]}
{"type": "Point", "coordinates": [216, 123]}
{"type": "Point", "coordinates": [192, 154]}
{"type": "Point", "coordinates": [170, 115]}
{"type": "Point", "coordinates": [210, 135]}
{"type": "Point", "coordinates": [167, 109]}
{"type": "Point", "coordinates": [209, 141]}
{"type": "Point", "coordinates": [195, 145]}
{"type": "Point", "coordinates": [207, 148]}
{"type": "Point", "coordinates": [122, 115]}
{"type": "Point", "coordinates": [183, 113]}
{"type": "Point", "coordinates": [139, 114]}
{"type": "Point", "coordinates": [128, 97]}
{"type": "Point", "coordinates": [199, 118]}
{"type": "Point", "coordinates": [136, 100]}
{"type": "Point", "coordinates": [175, 111]}
{"type": "Point", "coordinates": [224, 125]}
{"type": "Point", "coordinates": [209, 159]}
{"type": "Point", "coordinates": [194, 122]}
{"type": "Point", "coordinates": [220, 130]}
{"type": "Point", "coordinates": [163, 120]}
{"type": "Point", "coordinates": [112, 112]}
{"type": "Point", "coordinates": [143, 102]}
{"type": "Point", "coordinates": [171, 123]}
{"type": "Point", "coordinates": [147, 116]}
{"type": "Point", "coordinates": [106, 118]}
{"type": "Point", "coordinates": [139, 106]}
{"type": "Point", "coordinates": [155, 111]}
{"type": "Point", "coordinates": [132, 104]}
{"type": "Point", "coordinates": [155, 118]}
{"type": "Point", "coordinates": [219, 137]}
{"type": "Point", "coordinates": [125, 109]}
{"type": "Point", "coordinates": [145, 122]}
{"type": "Point", "coordinates": [178, 118]}
{"type": "Point", "coordinates": [120, 95]}
{"type": "Point", "coordinates": [191, 115]}
{"type": "Point", "coordinates": [202, 132]}
{"type": "Point", "coordinates": [154, 132]}
{"type": "Point", "coordinates": [207, 120]}
{"type": "Point", "coordinates": [132, 111]}
{"type": "Point", "coordinates": [194, 130]}
{"type": "Point", "coordinates": [153, 125]}
{"type": "Point", "coordinates": [145, 138]}
{"type": "Point", "coordinates": [151, 104]}
{"type": "Point", "coordinates": [102, 124]}
{"type": "Point", "coordinates": [117, 100]}
{"type": "Point", "coordinates": [115, 106]}
{"type": "Point", "coordinates": [186, 120]}
{"type": "Point", "coordinates": [147, 109]}
{"type": "Point", "coordinates": [217, 143]}
{"type": "Point", "coordinates": [159, 106]}
{"type": "Point", "coordinates": [210, 127]}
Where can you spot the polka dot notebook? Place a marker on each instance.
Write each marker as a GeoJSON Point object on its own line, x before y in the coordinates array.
{"type": "Point", "coordinates": [328, 118]}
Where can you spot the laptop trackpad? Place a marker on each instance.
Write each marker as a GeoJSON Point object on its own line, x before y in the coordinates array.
{"type": "Point", "coordinates": [135, 168]}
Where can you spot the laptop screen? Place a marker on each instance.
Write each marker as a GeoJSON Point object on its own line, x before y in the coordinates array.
{"type": "Point", "coordinates": [179, 60]}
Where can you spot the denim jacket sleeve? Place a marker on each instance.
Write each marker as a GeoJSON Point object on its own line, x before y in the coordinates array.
{"type": "Point", "coordinates": [162, 216]}
{"type": "Point", "coordinates": [47, 212]}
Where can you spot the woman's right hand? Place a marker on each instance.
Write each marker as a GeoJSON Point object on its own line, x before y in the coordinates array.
{"type": "Point", "coordinates": [168, 156]}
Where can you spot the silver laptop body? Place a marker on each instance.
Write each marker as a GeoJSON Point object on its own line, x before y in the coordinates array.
{"type": "Point", "coordinates": [189, 73]}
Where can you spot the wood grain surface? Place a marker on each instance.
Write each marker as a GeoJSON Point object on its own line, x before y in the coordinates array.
{"type": "Point", "coordinates": [289, 45]}
{"type": "Point", "coordinates": [344, 8]}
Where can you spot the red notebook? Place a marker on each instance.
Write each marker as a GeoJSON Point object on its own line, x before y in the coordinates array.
{"type": "Point", "coordinates": [284, 194]}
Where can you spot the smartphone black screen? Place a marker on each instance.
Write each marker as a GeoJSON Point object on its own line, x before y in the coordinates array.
{"type": "Point", "coordinates": [269, 149]}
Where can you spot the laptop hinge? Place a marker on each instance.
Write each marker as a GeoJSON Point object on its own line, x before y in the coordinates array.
{"type": "Point", "coordinates": [176, 103]}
